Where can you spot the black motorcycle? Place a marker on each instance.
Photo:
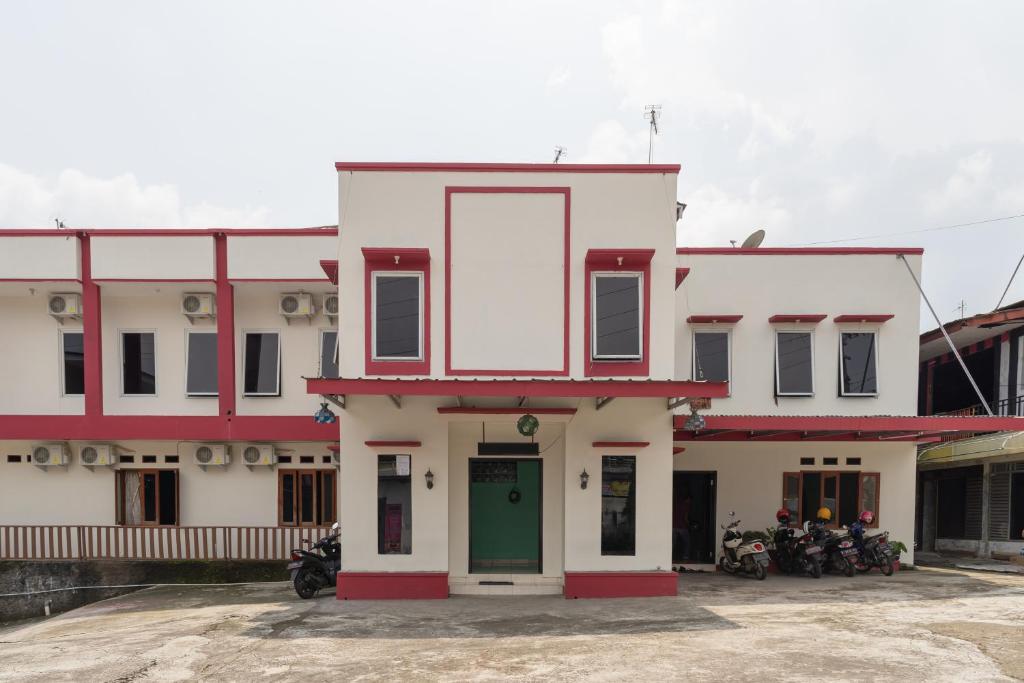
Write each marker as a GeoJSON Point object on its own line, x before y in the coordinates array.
{"type": "Point", "coordinates": [317, 567]}
{"type": "Point", "coordinates": [797, 554]}
{"type": "Point", "coordinates": [873, 551]}
{"type": "Point", "coordinates": [837, 552]}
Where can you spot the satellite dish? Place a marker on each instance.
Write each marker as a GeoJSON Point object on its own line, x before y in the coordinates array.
{"type": "Point", "coordinates": [754, 240]}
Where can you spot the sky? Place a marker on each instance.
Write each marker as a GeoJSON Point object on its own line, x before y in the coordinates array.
{"type": "Point", "coordinates": [816, 121]}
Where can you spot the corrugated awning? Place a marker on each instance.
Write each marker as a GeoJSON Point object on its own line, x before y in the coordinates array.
{"type": "Point", "coordinates": [976, 448]}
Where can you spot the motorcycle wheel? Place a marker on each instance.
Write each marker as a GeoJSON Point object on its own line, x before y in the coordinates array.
{"type": "Point", "coordinates": [886, 566]}
{"type": "Point", "coordinates": [724, 565]}
{"type": "Point", "coordinates": [760, 572]}
{"type": "Point", "coordinates": [848, 569]}
{"type": "Point", "coordinates": [305, 584]}
{"type": "Point", "coordinates": [815, 568]}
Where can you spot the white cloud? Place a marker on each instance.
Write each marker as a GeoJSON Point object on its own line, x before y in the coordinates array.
{"type": "Point", "coordinates": [966, 184]}
{"type": "Point", "coordinates": [81, 200]}
{"type": "Point", "coordinates": [612, 143]}
{"type": "Point", "coordinates": [558, 78]}
{"type": "Point", "coordinates": [713, 217]}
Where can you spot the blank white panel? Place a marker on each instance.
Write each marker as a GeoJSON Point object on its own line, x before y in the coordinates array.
{"type": "Point", "coordinates": [36, 258]}
{"type": "Point", "coordinates": [153, 258]}
{"type": "Point", "coordinates": [507, 281]}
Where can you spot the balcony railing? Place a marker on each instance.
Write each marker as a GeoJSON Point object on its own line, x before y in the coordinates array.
{"type": "Point", "coordinates": [78, 542]}
{"type": "Point", "coordinates": [1007, 407]}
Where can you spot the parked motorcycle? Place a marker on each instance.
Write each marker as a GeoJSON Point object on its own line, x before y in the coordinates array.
{"type": "Point", "coordinates": [874, 550]}
{"type": "Point", "coordinates": [738, 556]}
{"type": "Point", "coordinates": [317, 567]}
{"type": "Point", "coordinates": [837, 551]}
{"type": "Point", "coordinates": [795, 554]}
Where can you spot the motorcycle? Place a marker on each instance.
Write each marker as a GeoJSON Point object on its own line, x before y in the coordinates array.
{"type": "Point", "coordinates": [873, 551]}
{"type": "Point", "coordinates": [797, 554]}
{"type": "Point", "coordinates": [317, 567]}
{"type": "Point", "coordinates": [837, 551]}
{"type": "Point", "coordinates": [749, 557]}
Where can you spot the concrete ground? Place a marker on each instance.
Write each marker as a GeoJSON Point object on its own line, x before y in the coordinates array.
{"type": "Point", "coordinates": [929, 624]}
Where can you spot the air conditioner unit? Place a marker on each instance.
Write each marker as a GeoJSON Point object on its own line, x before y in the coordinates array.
{"type": "Point", "coordinates": [258, 454]}
{"type": "Point", "coordinates": [49, 454]}
{"type": "Point", "coordinates": [96, 455]}
{"type": "Point", "coordinates": [63, 306]}
{"type": "Point", "coordinates": [296, 305]}
{"type": "Point", "coordinates": [330, 304]}
{"type": "Point", "coordinates": [198, 305]}
{"type": "Point", "coordinates": [211, 455]}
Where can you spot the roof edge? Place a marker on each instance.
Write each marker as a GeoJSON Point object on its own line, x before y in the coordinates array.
{"type": "Point", "coordinates": [801, 251]}
{"type": "Point", "coordinates": [503, 167]}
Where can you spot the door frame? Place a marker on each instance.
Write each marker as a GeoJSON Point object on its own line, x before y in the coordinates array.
{"type": "Point", "coordinates": [540, 507]}
{"type": "Point", "coordinates": [714, 510]}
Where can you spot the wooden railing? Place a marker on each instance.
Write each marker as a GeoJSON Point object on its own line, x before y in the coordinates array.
{"type": "Point", "coordinates": [77, 542]}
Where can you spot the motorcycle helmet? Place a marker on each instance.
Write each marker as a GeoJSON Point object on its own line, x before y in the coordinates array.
{"type": "Point", "coordinates": [867, 517]}
{"type": "Point", "coordinates": [782, 516]}
{"type": "Point", "coordinates": [824, 514]}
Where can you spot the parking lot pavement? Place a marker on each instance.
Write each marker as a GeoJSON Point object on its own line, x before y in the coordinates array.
{"type": "Point", "coordinates": [929, 624]}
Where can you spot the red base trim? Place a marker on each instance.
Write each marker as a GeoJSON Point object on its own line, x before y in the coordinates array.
{"type": "Point", "coordinates": [392, 585]}
{"type": "Point", "coordinates": [620, 584]}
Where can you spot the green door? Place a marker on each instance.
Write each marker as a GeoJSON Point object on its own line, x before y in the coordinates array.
{"type": "Point", "coordinates": [504, 516]}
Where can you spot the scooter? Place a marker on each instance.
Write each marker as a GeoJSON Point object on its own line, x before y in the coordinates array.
{"type": "Point", "coordinates": [837, 551]}
{"type": "Point", "coordinates": [739, 557]}
{"type": "Point", "coordinates": [796, 554]}
{"type": "Point", "coordinates": [317, 567]}
{"type": "Point", "coordinates": [873, 551]}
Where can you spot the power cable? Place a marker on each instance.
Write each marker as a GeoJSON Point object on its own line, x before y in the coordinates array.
{"type": "Point", "coordinates": [911, 232]}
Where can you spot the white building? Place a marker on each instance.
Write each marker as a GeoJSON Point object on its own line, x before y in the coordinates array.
{"type": "Point", "coordinates": [467, 297]}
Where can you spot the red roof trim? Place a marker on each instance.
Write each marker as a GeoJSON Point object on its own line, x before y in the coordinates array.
{"type": "Point", "coordinates": [396, 444]}
{"type": "Point", "coordinates": [797, 318]}
{"type": "Point", "coordinates": [517, 387]}
{"type": "Point", "coordinates": [504, 168]}
{"type": "Point", "coordinates": [170, 232]}
{"type": "Point", "coordinates": [845, 423]}
{"type": "Point", "coordinates": [863, 317]}
{"type": "Point", "coordinates": [456, 410]}
{"type": "Point", "coordinates": [676, 450]}
{"type": "Point", "coordinates": [801, 251]}
{"type": "Point", "coordinates": [709, 319]}
{"type": "Point", "coordinates": [406, 256]}
{"type": "Point", "coordinates": [631, 258]}
{"type": "Point", "coordinates": [621, 444]}
{"type": "Point", "coordinates": [330, 269]}
{"type": "Point", "coordinates": [681, 274]}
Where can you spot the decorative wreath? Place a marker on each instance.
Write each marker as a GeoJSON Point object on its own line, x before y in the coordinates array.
{"type": "Point", "coordinates": [528, 425]}
{"type": "Point", "coordinates": [515, 495]}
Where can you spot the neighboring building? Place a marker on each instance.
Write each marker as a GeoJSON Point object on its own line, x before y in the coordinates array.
{"type": "Point", "coordinates": [472, 305]}
{"type": "Point", "coordinates": [971, 486]}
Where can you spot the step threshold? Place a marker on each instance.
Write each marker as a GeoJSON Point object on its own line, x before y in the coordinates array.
{"type": "Point", "coordinates": [496, 583]}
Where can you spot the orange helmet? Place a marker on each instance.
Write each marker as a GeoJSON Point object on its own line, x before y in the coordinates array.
{"type": "Point", "coordinates": [824, 514]}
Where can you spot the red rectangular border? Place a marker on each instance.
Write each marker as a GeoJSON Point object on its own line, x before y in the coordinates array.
{"type": "Point", "coordinates": [458, 189]}
{"type": "Point", "coordinates": [409, 260]}
{"type": "Point", "coordinates": [620, 584]}
{"type": "Point", "coordinates": [392, 585]}
{"type": "Point", "coordinates": [632, 261]}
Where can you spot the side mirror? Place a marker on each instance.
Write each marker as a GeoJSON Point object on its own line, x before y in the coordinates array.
{"type": "Point", "coordinates": [335, 527]}
{"type": "Point", "coordinates": [732, 513]}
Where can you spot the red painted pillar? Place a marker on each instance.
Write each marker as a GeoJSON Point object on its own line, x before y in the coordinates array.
{"type": "Point", "coordinates": [92, 333]}
{"type": "Point", "coordinates": [225, 330]}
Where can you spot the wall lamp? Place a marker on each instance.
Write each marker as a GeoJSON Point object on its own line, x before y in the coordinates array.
{"type": "Point", "coordinates": [584, 479]}
{"type": "Point", "coordinates": [429, 476]}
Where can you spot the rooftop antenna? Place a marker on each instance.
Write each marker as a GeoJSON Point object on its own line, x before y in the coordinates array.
{"type": "Point", "coordinates": [59, 222]}
{"type": "Point", "coordinates": [559, 153]}
{"type": "Point", "coordinates": [962, 307]}
{"type": "Point", "coordinates": [652, 112]}
{"type": "Point", "coordinates": [753, 240]}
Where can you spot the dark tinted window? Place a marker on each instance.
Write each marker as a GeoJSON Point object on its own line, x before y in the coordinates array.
{"type": "Point", "coordinates": [139, 365]}
{"type": "Point", "coordinates": [794, 363]}
{"type": "Point", "coordinates": [262, 371]}
{"type": "Point", "coordinates": [394, 505]}
{"type": "Point", "coordinates": [616, 316]}
{"type": "Point", "coordinates": [202, 364]}
{"type": "Point", "coordinates": [168, 497]}
{"type": "Point", "coordinates": [74, 363]}
{"type": "Point", "coordinates": [711, 356]}
{"type": "Point", "coordinates": [328, 361]}
{"type": "Point", "coordinates": [858, 356]}
{"type": "Point", "coordinates": [397, 312]}
{"type": "Point", "coordinates": [618, 505]}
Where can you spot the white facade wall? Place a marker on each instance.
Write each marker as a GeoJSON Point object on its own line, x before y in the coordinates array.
{"type": "Point", "coordinates": [277, 257]}
{"type": "Point", "coordinates": [759, 286]}
{"type": "Point", "coordinates": [153, 257]}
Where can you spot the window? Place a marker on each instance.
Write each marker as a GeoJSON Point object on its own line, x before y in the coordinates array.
{"type": "Point", "coordinates": [138, 363]}
{"type": "Point", "coordinates": [857, 364]}
{"type": "Point", "coordinates": [618, 505]}
{"type": "Point", "coordinates": [147, 497]}
{"type": "Point", "coordinates": [394, 505]}
{"type": "Point", "coordinates": [397, 316]}
{"type": "Point", "coordinates": [73, 367]}
{"type": "Point", "coordinates": [617, 315]}
{"type": "Point", "coordinates": [306, 497]}
{"type": "Point", "coordinates": [845, 494]}
{"type": "Point", "coordinates": [711, 356]}
{"type": "Point", "coordinates": [794, 364]}
{"type": "Point", "coordinates": [262, 364]}
{"type": "Point", "coordinates": [329, 354]}
{"type": "Point", "coordinates": [201, 364]}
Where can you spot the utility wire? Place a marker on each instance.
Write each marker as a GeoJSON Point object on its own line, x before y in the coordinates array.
{"type": "Point", "coordinates": [1009, 283]}
{"type": "Point", "coordinates": [911, 232]}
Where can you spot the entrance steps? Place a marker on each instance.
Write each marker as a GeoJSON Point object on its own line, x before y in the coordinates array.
{"type": "Point", "coordinates": [505, 584]}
